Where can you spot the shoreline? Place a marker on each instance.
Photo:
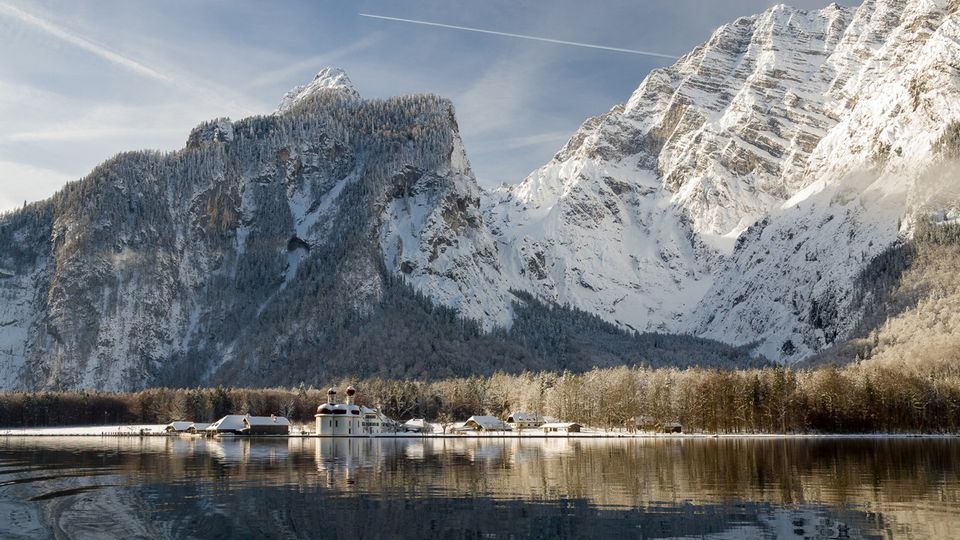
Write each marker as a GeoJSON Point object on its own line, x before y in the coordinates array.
{"type": "Point", "coordinates": [156, 430]}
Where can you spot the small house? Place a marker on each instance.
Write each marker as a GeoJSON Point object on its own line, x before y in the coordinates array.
{"type": "Point", "coordinates": [522, 420]}
{"type": "Point", "coordinates": [561, 427]}
{"type": "Point", "coordinates": [177, 427]}
{"type": "Point", "coordinates": [485, 423]}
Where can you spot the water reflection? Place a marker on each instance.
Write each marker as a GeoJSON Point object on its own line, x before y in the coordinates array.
{"type": "Point", "coordinates": [371, 488]}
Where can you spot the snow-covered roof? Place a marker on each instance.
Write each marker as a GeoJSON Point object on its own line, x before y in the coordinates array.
{"type": "Point", "coordinates": [199, 426]}
{"type": "Point", "coordinates": [178, 426]}
{"type": "Point", "coordinates": [327, 408]}
{"type": "Point", "coordinates": [231, 422]}
{"type": "Point", "coordinates": [524, 417]}
{"type": "Point", "coordinates": [266, 421]}
{"type": "Point", "coordinates": [487, 423]}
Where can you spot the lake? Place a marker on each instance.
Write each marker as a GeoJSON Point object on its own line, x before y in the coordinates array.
{"type": "Point", "coordinates": [170, 487]}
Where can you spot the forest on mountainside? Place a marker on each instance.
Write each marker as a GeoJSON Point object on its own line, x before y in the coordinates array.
{"type": "Point", "coordinates": [246, 260]}
{"type": "Point", "coordinates": [909, 298]}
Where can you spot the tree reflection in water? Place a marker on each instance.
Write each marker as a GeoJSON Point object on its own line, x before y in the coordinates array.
{"type": "Point", "coordinates": [384, 488]}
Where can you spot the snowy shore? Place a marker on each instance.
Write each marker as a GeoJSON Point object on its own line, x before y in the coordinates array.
{"type": "Point", "coordinates": [299, 432]}
{"type": "Point", "coordinates": [86, 431]}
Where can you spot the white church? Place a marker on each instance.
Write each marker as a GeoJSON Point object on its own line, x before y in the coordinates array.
{"type": "Point", "coordinates": [349, 419]}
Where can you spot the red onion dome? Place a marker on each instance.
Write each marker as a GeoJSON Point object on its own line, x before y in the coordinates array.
{"type": "Point", "coordinates": [351, 390]}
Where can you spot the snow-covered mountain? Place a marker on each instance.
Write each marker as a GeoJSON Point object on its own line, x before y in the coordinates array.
{"type": "Point", "coordinates": [738, 192]}
{"type": "Point", "coordinates": [285, 248]}
{"type": "Point", "coordinates": [231, 254]}
{"type": "Point", "coordinates": [737, 196]}
{"type": "Point", "coordinates": [328, 80]}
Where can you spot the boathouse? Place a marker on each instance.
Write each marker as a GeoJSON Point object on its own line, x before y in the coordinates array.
{"type": "Point", "coordinates": [266, 425]}
{"type": "Point", "coordinates": [236, 424]}
{"type": "Point", "coordinates": [230, 424]}
{"type": "Point", "coordinates": [177, 427]}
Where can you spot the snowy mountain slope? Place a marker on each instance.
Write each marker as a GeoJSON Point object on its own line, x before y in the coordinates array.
{"type": "Point", "coordinates": [433, 234]}
{"type": "Point", "coordinates": [863, 186]}
{"type": "Point", "coordinates": [737, 196]}
{"type": "Point", "coordinates": [328, 79]}
{"type": "Point", "coordinates": [807, 130]}
{"type": "Point", "coordinates": [159, 263]}
{"type": "Point", "coordinates": [336, 237]}
{"type": "Point", "coordinates": [632, 215]}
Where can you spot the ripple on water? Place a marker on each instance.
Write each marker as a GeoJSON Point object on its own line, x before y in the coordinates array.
{"type": "Point", "coordinates": [171, 488]}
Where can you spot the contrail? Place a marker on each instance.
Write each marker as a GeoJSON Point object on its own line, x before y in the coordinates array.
{"type": "Point", "coordinates": [521, 36]}
{"type": "Point", "coordinates": [206, 91]}
{"type": "Point", "coordinates": [83, 43]}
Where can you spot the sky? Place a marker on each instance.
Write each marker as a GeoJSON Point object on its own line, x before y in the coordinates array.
{"type": "Point", "coordinates": [83, 80]}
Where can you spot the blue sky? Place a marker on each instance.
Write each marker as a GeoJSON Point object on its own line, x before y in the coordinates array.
{"type": "Point", "coordinates": [83, 80]}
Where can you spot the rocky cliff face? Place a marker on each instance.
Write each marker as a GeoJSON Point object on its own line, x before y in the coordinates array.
{"type": "Point", "coordinates": [737, 193]}
{"type": "Point", "coordinates": [336, 237]}
{"type": "Point", "coordinates": [237, 250]}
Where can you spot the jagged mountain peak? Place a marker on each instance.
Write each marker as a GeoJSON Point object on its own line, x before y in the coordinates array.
{"type": "Point", "coordinates": [328, 79]}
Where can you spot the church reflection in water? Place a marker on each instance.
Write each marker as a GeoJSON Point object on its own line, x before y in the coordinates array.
{"type": "Point", "coordinates": [507, 487]}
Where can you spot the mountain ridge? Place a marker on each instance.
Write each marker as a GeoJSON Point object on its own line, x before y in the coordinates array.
{"type": "Point", "coordinates": [261, 253]}
{"type": "Point", "coordinates": [737, 197]}
{"type": "Point", "coordinates": [651, 214]}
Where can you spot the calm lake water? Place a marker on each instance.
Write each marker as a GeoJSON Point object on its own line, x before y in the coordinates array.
{"type": "Point", "coordinates": [93, 487]}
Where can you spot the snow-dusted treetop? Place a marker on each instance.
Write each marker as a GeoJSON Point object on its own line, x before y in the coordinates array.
{"type": "Point", "coordinates": [329, 78]}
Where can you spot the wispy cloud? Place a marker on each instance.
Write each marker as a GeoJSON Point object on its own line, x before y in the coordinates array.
{"type": "Point", "coordinates": [84, 43]}
{"type": "Point", "coordinates": [205, 91]}
{"type": "Point", "coordinates": [81, 133]}
{"type": "Point", "coordinates": [503, 94]}
{"type": "Point", "coordinates": [524, 141]}
{"type": "Point", "coordinates": [315, 63]}
{"type": "Point", "coordinates": [34, 115]}
{"type": "Point", "coordinates": [521, 36]}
